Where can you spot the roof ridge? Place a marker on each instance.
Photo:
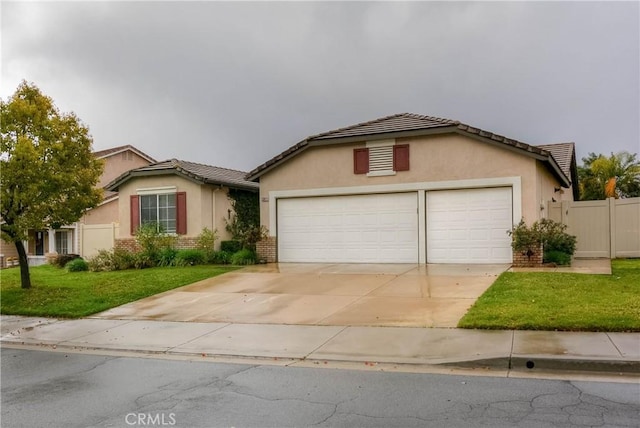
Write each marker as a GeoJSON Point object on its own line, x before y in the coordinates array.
{"type": "Point", "coordinates": [434, 118]}
{"type": "Point", "coordinates": [114, 150]}
{"type": "Point", "coordinates": [344, 128]}
{"type": "Point", "coordinates": [210, 166]}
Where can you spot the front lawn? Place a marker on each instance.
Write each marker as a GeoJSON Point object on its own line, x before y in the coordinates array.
{"type": "Point", "coordinates": [58, 293]}
{"type": "Point", "coordinates": [561, 301]}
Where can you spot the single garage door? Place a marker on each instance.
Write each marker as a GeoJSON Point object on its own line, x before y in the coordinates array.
{"type": "Point", "coordinates": [380, 228]}
{"type": "Point", "coordinates": [469, 226]}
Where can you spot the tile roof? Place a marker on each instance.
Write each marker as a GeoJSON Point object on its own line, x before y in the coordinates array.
{"type": "Point", "coordinates": [394, 123]}
{"type": "Point", "coordinates": [114, 150]}
{"type": "Point", "coordinates": [195, 171]}
{"type": "Point", "coordinates": [563, 153]}
{"type": "Point", "coordinates": [402, 123]}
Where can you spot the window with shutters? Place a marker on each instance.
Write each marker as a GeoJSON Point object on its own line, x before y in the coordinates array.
{"type": "Point", "coordinates": [167, 210]}
{"type": "Point", "coordinates": [159, 209]}
{"type": "Point", "coordinates": [380, 158]}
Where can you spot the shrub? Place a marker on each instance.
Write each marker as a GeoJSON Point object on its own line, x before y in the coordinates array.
{"type": "Point", "coordinates": [151, 239]}
{"type": "Point", "coordinates": [524, 239]}
{"type": "Point", "coordinates": [123, 259]}
{"type": "Point", "coordinates": [103, 261]}
{"type": "Point", "coordinates": [143, 260]}
{"type": "Point", "coordinates": [190, 257]}
{"type": "Point", "coordinates": [61, 260]}
{"type": "Point", "coordinates": [77, 265]}
{"type": "Point", "coordinates": [557, 257]}
{"type": "Point", "coordinates": [554, 237]}
{"type": "Point", "coordinates": [167, 256]}
{"type": "Point", "coordinates": [109, 260]}
{"type": "Point", "coordinates": [244, 257]}
{"type": "Point", "coordinates": [206, 242]}
{"type": "Point", "coordinates": [221, 258]}
{"type": "Point", "coordinates": [206, 239]}
{"type": "Point", "coordinates": [230, 246]}
{"type": "Point", "coordinates": [549, 233]}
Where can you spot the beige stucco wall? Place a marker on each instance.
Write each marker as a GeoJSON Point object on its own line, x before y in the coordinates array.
{"type": "Point", "coordinates": [434, 158]}
{"type": "Point", "coordinates": [103, 214]}
{"type": "Point", "coordinates": [119, 163]}
{"type": "Point", "coordinates": [206, 205]}
{"type": "Point", "coordinates": [222, 208]}
{"type": "Point", "coordinates": [545, 190]}
{"type": "Point", "coordinates": [214, 208]}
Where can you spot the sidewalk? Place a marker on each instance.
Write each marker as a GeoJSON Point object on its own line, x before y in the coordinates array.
{"type": "Point", "coordinates": [500, 349]}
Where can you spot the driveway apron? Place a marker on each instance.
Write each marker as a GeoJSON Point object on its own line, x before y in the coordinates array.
{"type": "Point", "coordinates": [391, 295]}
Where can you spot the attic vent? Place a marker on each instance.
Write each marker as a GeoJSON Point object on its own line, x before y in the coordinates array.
{"type": "Point", "coordinates": [380, 159]}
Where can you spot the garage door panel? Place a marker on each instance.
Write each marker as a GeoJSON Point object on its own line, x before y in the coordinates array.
{"type": "Point", "coordinates": [469, 226]}
{"type": "Point", "coordinates": [353, 229]}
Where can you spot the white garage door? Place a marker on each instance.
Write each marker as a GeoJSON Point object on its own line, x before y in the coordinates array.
{"type": "Point", "coordinates": [349, 229]}
{"type": "Point", "coordinates": [469, 226]}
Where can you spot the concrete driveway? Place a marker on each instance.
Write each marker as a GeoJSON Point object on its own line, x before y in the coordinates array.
{"type": "Point", "coordinates": [323, 294]}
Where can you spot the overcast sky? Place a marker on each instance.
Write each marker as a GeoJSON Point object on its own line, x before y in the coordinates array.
{"type": "Point", "coordinates": [233, 84]}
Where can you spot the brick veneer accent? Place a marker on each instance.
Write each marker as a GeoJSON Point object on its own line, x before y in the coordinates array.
{"type": "Point", "coordinates": [266, 249]}
{"type": "Point", "coordinates": [129, 244]}
{"type": "Point", "coordinates": [521, 259]}
{"type": "Point", "coordinates": [183, 243]}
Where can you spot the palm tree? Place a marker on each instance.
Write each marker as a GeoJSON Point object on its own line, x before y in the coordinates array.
{"type": "Point", "coordinates": [616, 176]}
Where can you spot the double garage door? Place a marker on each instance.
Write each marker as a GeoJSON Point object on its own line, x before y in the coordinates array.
{"type": "Point", "coordinates": [462, 226]}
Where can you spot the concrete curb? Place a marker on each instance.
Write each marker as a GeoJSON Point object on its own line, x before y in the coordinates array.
{"type": "Point", "coordinates": [526, 364]}
{"type": "Point", "coordinates": [532, 364]}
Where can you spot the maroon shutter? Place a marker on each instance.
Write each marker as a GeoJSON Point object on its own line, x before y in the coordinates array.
{"type": "Point", "coordinates": [360, 161]}
{"type": "Point", "coordinates": [181, 213]}
{"type": "Point", "coordinates": [135, 213]}
{"type": "Point", "coordinates": [401, 157]}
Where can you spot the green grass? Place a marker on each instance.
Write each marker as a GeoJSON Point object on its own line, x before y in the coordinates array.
{"type": "Point", "coordinates": [58, 293]}
{"type": "Point", "coordinates": [561, 301]}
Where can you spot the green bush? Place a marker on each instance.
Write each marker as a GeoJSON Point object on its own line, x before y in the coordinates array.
{"type": "Point", "coordinates": [554, 237]}
{"type": "Point", "coordinates": [230, 246]}
{"type": "Point", "coordinates": [244, 257]}
{"type": "Point", "coordinates": [61, 260]}
{"type": "Point", "coordinates": [167, 256]}
{"type": "Point", "coordinates": [123, 259]}
{"type": "Point", "coordinates": [190, 257]}
{"type": "Point", "coordinates": [77, 265]}
{"type": "Point", "coordinates": [143, 260]}
{"type": "Point", "coordinates": [548, 233]}
{"type": "Point", "coordinates": [557, 257]}
{"type": "Point", "coordinates": [221, 258]}
{"type": "Point", "coordinates": [206, 242]}
{"type": "Point", "coordinates": [152, 240]}
{"type": "Point", "coordinates": [524, 239]}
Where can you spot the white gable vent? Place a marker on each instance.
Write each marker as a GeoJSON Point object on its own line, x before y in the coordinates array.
{"type": "Point", "coordinates": [381, 157]}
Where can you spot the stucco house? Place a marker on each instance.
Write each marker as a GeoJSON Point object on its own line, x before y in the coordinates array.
{"type": "Point", "coordinates": [98, 223]}
{"type": "Point", "coordinates": [407, 188]}
{"type": "Point", "coordinates": [183, 197]}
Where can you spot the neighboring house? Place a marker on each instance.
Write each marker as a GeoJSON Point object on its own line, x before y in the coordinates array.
{"type": "Point", "coordinates": [99, 226]}
{"type": "Point", "coordinates": [407, 188]}
{"type": "Point", "coordinates": [183, 197]}
{"type": "Point", "coordinates": [101, 220]}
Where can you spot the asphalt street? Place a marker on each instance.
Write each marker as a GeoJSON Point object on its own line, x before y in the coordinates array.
{"type": "Point", "coordinates": [57, 389]}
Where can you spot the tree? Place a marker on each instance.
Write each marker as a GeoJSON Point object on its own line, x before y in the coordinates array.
{"type": "Point", "coordinates": [617, 176]}
{"type": "Point", "coordinates": [48, 171]}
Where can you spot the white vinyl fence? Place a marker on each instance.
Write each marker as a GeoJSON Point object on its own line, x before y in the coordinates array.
{"type": "Point", "coordinates": [609, 228]}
